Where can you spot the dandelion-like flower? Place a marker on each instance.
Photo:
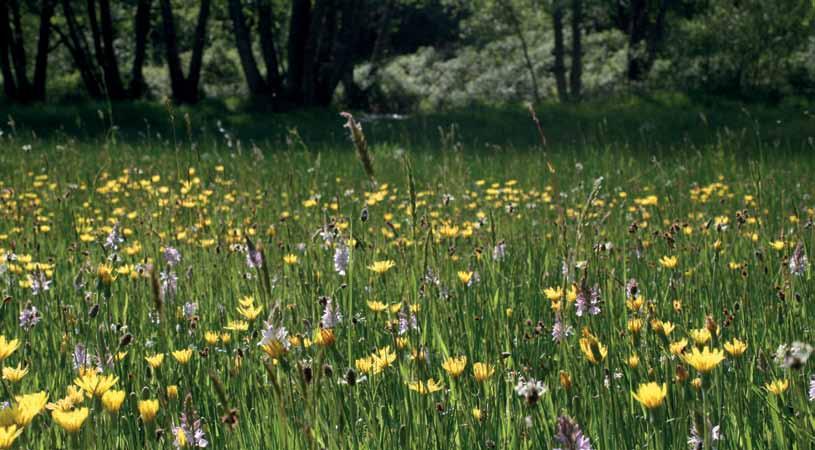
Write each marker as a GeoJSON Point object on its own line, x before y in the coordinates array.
{"type": "Point", "coordinates": [704, 361]}
{"type": "Point", "coordinates": [651, 395]}
{"type": "Point", "coordinates": [275, 340]}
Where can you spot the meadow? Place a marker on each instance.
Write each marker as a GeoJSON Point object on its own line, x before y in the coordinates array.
{"type": "Point", "coordinates": [615, 279]}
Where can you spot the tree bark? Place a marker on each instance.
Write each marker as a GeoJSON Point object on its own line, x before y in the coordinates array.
{"type": "Point", "coordinates": [141, 26]}
{"type": "Point", "coordinates": [78, 47]}
{"type": "Point", "coordinates": [576, 72]}
{"type": "Point", "coordinates": [559, 68]}
{"type": "Point", "coordinates": [267, 45]}
{"type": "Point", "coordinates": [16, 83]}
{"type": "Point", "coordinates": [109, 63]}
{"type": "Point", "coordinates": [298, 38]}
{"type": "Point", "coordinates": [185, 89]}
{"type": "Point", "coordinates": [243, 42]}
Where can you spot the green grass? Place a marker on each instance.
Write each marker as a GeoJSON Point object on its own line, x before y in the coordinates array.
{"type": "Point", "coordinates": [548, 204]}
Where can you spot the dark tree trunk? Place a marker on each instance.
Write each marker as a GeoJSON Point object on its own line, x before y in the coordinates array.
{"type": "Point", "coordinates": [138, 88]}
{"type": "Point", "coordinates": [559, 67]}
{"type": "Point", "coordinates": [78, 47]}
{"type": "Point", "coordinates": [243, 41]}
{"type": "Point", "coordinates": [645, 24]}
{"type": "Point", "coordinates": [16, 83]}
{"type": "Point", "coordinates": [267, 45]}
{"type": "Point", "coordinates": [298, 39]}
{"type": "Point", "coordinates": [576, 72]}
{"type": "Point", "coordinates": [109, 63]}
{"type": "Point", "coordinates": [185, 89]}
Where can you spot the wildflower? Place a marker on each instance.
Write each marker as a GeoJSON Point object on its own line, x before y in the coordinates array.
{"type": "Point", "coordinates": [342, 257]}
{"type": "Point", "coordinates": [499, 251]}
{"type": "Point", "coordinates": [531, 390]}
{"type": "Point", "coordinates": [428, 387]}
{"type": "Point", "coordinates": [633, 361]}
{"type": "Point", "coordinates": [171, 256]}
{"type": "Point", "coordinates": [812, 389]}
{"type": "Point", "coordinates": [14, 374]}
{"type": "Point", "coordinates": [26, 408]}
{"type": "Point", "coordinates": [112, 400]}
{"type": "Point", "coordinates": [182, 356]}
{"type": "Point", "coordinates": [777, 245]}
{"type": "Point", "coordinates": [667, 328]}
{"type": "Point", "coordinates": [172, 391]}
{"type": "Point", "coordinates": [7, 348]}
{"type": "Point", "coordinates": [455, 366]}
{"type": "Point", "coordinates": [569, 435]}
{"type": "Point", "coordinates": [94, 384]}
{"type": "Point", "coordinates": [478, 415]}
{"type": "Point", "coordinates": [553, 294]}
{"type": "Point", "coordinates": [39, 282]}
{"type": "Point", "coordinates": [8, 435]}
{"type": "Point", "coordinates": [376, 306]}
{"type": "Point", "coordinates": [324, 337]}
{"type": "Point", "coordinates": [407, 321]}
{"type": "Point", "coordinates": [678, 347]}
{"type": "Point", "coordinates": [29, 317]}
{"type": "Point", "coordinates": [381, 267]}
{"type": "Point", "coordinates": [113, 239]}
{"type": "Point", "coordinates": [275, 340]}
{"type": "Point", "coordinates": [169, 284]}
{"type": "Point", "coordinates": [631, 289]}
{"type": "Point", "coordinates": [565, 380]}
{"type": "Point", "coordinates": [700, 336]}
{"type": "Point", "coordinates": [634, 325]}
{"type": "Point", "coordinates": [211, 337]}
{"type": "Point", "coordinates": [105, 274]}
{"type": "Point", "coordinates": [465, 277]}
{"type": "Point", "coordinates": [704, 361]}
{"type": "Point", "coordinates": [189, 434]}
{"type": "Point", "coordinates": [382, 359]}
{"type": "Point", "coordinates": [331, 315]}
{"type": "Point", "coordinates": [651, 395]}
{"type": "Point", "coordinates": [250, 312]}
{"type": "Point", "coordinates": [735, 347]}
{"type": "Point", "coordinates": [290, 259]}
{"type": "Point", "coordinates": [70, 421]}
{"type": "Point", "coordinates": [697, 441]}
{"type": "Point", "coordinates": [236, 325]}
{"type": "Point", "coordinates": [777, 387]}
{"type": "Point", "coordinates": [254, 258]}
{"type": "Point", "coordinates": [482, 371]}
{"type": "Point", "coordinates": [155, 360]}
{"type": "Point", "coordinates": [668, 262]}
{"type": "Point", "coordinates": [190, 310]}
{"type": "Point", "coordinates": [793, 356]}
{"type": "Point", "coordinates": [148, 410]}
{"type": "Point", "coordinates": [798, 261]}
{"type": "Point", "coordinates": [588, 302]}
{"type": "Point", "coordinates": [593, 349]}
{"type": "Point", "coordinates": [560, 332]}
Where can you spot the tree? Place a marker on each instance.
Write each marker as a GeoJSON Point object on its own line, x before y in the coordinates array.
{"type": "Point", "coordinates": [17, 85]}
{"type": "Point", "coordinates": [644, 23]}
{"type": "Point", "coordinates": [185, 89]}
{"type": "Point", "coordinates": [99, 69]}
{"type": "Point", "coordinates": [266, 86]}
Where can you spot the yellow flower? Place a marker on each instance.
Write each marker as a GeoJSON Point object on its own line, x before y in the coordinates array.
{"type": "Point", "coordinates": [24, 409]}
{"type": "Point", "coordinates": [651, 395]}
{"type": "Point", "coordinates": [383, 358]}
{"type": "Point", "coordinates": [429, 387]}
{"type": "Point", "coordinates": [565, 380]}
{"type": "Point", "coordinates": [236, 325]}
{"type": "Point", "coordinates": [172, 391]}
{"type": "Point", "coordinates": [455, 366]}
{"type": "Point", "coordinates": [148, 410]}
{"type": "Point", "coordinates": [105, 274]}
{"type": "Point", "coordinates": [182, 356]}
{"type": "Point", "coordinates": [465, 276]}
{"type": "Point", "coordinates": [593, 349]}
{"type": "Point", "coordinates": [211, 337]}
{"type": "Point", "coordinates": [704, 361]}
{"type": "Point", "coordinates": [635, 325]}
{"type": "Point", "coordinates": [633, 361]}
{"type": "Point", "coordinates": [571, 294]}
{"type": "Point", "coordinates": [250, 312]}
{"type": "Point", "coordinates": [668, 262]}
{"type": "Point", "coordinates": [553, 294]}
{"type": "Point", "coordinates": [735, 347]}
{"type": "Point", "coordinates": [8, 347]}
{"type": "Point", "coordinates": [777, 245]}
{"type": "Point", "coordinates": [94, 384]}
{"type": "Point", "coordinates": [477, 414]}
{"type": "Point", "coordinates": [482, 371]}
{"type": "Point", "coordinates": [365, 365]}
{"type": "Point", "coordinates": [324, 337]}
{"type": "Point", "coordinates": [777, 387]}
{"type": "Point", "coordinates": [667, 328]}
{"type": "Point", "coordinates": [678, 347]}
{"type": "Point", "coordinates": [14, 374]}
{"type": "Point", "coordinates": [382, 266]}
{"type": "Point", "coordinates": [70, 421]}
{"type": "Point", "coordinates": [274, 348]}
{"type": "Point", "coordinates": [290, 259]}
{"type": "Point", "coordinates": [700, 336]}
{"type": "Point", "coordinates": [8, 435]}
{"type": "Point", "coordinates": [155, 360]}
{"type": "Point", "coordinates": [112, 400]}
{"type": "Point", "coordinates": [376, 306]}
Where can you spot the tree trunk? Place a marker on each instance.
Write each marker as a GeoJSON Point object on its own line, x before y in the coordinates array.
{"type": "Point", "coordinates": [267, 46]}
{"type": "Point", "coordinates": [110, 64]}
{"type": "Point", "coordinates": [298, 38]}
{"type": "Point", "coordinates": [243, 42]}
{"type": "Point", "coordinates": [515, 23]}
{"type": "Point", "coordinates": [185, 89]}
{"type": "Point", "coordinates": [16, 83]}
{"type": "Point", "coordinates": [9, 84]}
{"type": "Point", "coordinates": [576, 72]}
{"type": "Point", "coordinates": [559, 68]}
{"type": "Point", "coordinates": [78, 47]}
{"type": "Point", "coordinates": [141, 26]}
